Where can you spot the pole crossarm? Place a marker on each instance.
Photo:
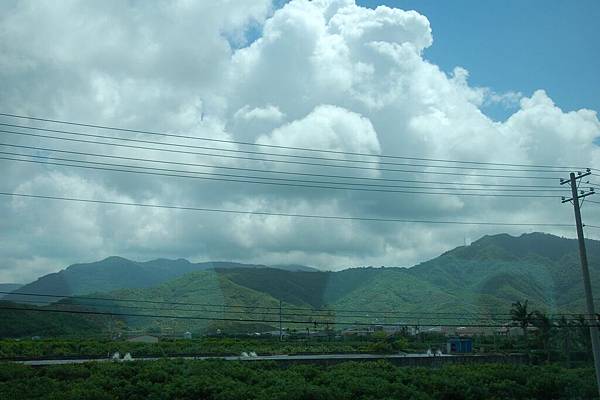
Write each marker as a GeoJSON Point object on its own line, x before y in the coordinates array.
{"type": "Point", "coordinates": [578, 176]}
{"type": "Point", "coordinates": [581, 195]}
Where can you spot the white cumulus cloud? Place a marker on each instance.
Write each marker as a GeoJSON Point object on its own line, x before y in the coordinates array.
{"type": "Point", "coordinates": [323, 74]}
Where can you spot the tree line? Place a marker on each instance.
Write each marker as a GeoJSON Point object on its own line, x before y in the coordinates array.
{"type": "Point", "coordinates": [562, 334]}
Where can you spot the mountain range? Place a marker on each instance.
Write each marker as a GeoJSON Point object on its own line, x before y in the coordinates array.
{"type": "Point", "coordinates": [484, 277]}
{"type": "Point", "coordinates": [115, 273]}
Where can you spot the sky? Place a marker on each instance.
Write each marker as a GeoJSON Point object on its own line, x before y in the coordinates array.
{"type": "Point", "coordinates": [518, 46]}
{"type": "Point", "coordinates": [512, 82]}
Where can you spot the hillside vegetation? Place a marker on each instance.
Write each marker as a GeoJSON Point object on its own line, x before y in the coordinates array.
{"type": "Point", "coordinates": [115, 273]}
{"type": "Point", "coordinates": [17, 322]}
{"type": "Point", "coordinates": [484, 277]}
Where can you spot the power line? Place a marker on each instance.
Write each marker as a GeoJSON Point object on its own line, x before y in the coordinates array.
{"type": "Point", "coordinates": [262, 153]}
{"type": "Point", "coordinates": [350, 184]}
{"type": "Point", "coordinates": [313, 311]}
{"type": "Point", "coordinates": [284, 184]}
{"type": "Point", "coordinates": [260, 159]}
{"type": "Point", "coordinates": [278, 172]}
{"type": "Point", "coordinates": [264, 213]}
{"type": "Point", "coordinates": [389, 314]}
{"type": "Point", "coordinates": [237, 306]}
{"type": "Point", "coordinates": [327, 322]}
{"type": "Point", "coordinates": [420, 316]}
{"type": "Point", "coordinates": [124, 300]}
{"type": "Point", "coordinates": [279, 146]}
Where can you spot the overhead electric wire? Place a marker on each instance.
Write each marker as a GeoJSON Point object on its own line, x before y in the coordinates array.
{"type": "Point", "coordinates": [313, 311]}
{"type": "Point", "coordinates": [261, 153]}
{"type": "Point", "coordinates": [336, 316]}
{"type": "Point", "coordinates": [279, 172]}
{"type": "Point", "coordinates": [277, 146]}
{"type": "Point", "coordinates": [284, 184]}
{"type": "Point", "coordinates": [265, 213]}
{"type": "Point", "coordinates": [308, 322]}
{"type": "Point", "coordinates": [347, 185]}
{"type": "Point", "coordinates": [261, 159]}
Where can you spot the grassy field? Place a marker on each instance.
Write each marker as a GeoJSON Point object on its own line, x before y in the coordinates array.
{"type": "Point", "coordinates": [178, 379]}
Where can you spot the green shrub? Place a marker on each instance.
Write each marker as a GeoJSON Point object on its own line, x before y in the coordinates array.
{"type": "Point", "coordinates": [188, 379]}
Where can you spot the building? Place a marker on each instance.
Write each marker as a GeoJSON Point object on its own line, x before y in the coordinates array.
{"type": "Point", "coordinates": [284, 333]}
{"type": "Point", "coordinates": [459, 345]}
{"type": "Point", "coordinates": [398, 328]}
{"type": "Point", "coordinates": [512, 330]}
{"type": "Point", "coordinates": [187, 335]}
{"type": "Point", "coordinates": [471, 331]}
{"type": "Point", "coordinates": [143, 339]}
{"type": "Point", "coordinates": [353, 331]}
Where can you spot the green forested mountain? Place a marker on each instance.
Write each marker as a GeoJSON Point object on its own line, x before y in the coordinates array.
{"type": "Point", "coordinates": [115, 273]}
{"type": "Point", "coordinates": [36, 321]}
{"type": "Point", "coordinates": [500, 269]}
{"type": "Point", "coordinates": [486, 276]}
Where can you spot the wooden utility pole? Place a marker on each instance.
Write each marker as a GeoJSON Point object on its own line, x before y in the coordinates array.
{"type": "Point", "coordinates": [589, 299]}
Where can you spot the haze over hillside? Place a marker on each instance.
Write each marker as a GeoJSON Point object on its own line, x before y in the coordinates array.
{"type": "Point", "coordinates": [484, 277]}
{"type": "Point", "coordinates": [8, 287]}
{"type": "Point", "coordinates": [117, 272]}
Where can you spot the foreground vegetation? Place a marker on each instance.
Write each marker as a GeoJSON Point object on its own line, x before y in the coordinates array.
{"type": "Point", "coordinates": [68, 348]}
{"type": "Point", "coordinates": [178, 379]}
{"type": "Point", "coordinates": [575, 353]}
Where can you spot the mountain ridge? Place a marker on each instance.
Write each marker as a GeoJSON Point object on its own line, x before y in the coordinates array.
{"type": "Point", "coordinates": [115, 272]}
{"type": "Point", "coordinates": [493, 269]}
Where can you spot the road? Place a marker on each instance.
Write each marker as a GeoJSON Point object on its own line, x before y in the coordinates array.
{"type": "Point", "coordinates": [278, 358]}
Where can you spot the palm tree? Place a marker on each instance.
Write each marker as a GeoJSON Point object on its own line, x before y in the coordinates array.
{"type": "Point", "coordinates": [545, 327]}
{"type": "Point", "coordinates": [564, 329]}
{"type": "Point", "coordinates": [583, 333]}
{"type": "Point", "coordinates": [523, 317]}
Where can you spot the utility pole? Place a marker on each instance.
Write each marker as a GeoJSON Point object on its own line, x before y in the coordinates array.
{"type": "Point", "coordinates": [576, 195]}
{"type": "Point", "coordinates": [280, 328]}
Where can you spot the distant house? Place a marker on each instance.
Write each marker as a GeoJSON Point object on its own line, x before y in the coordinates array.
{"type": "Point", "coordinates": [409, 330]}
{"type": "Point", "coordinates": [470, 331]}
{"type": "Point", "coordinates": [436, 329]}
{"type": "Point", "coordinates": [368, 330]}
{"type": "Point", "coordinates": [512, 330]}
{"type": "Point", "coordinates": [353, 331]}
{"type": "Point", "coordinates": [187, 335]}
{"type": "Point", "coordinates": [143, 339]}
{"type": "Point", "coordinates": [284, 332]}
{"type": "Point", "coordinates": [459, 345]}
{"type": "Point", "coordinates": [399, 328]}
